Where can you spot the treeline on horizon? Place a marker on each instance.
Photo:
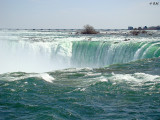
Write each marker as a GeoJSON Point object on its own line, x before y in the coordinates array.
{"type": "Point", "coordinates": [145, 28]}
{"type": "Point", "coordinates": [129, 28]}
{"type": "Point", "coordinates": [88, 29]}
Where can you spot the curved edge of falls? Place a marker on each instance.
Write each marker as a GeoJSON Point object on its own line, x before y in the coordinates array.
{"type": "Point", "coordinates": [47, 56]}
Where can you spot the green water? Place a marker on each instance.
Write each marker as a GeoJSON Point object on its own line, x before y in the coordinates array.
{"type": "Point", "coordinates": [131, 92]}
{"type": "Point", "coordinates": [100, 54]}
{"type": "Point", "coordinates": [58, 76]}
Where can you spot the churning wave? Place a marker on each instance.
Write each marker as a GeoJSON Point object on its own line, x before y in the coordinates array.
{"type": "Point", "coordinates": [84, 93]}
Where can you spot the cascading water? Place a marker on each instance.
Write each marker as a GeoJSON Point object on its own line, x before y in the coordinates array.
{"type": "Point", "coordinates": [34, 56]}
{"type": "Point", "coordinates": [100, 54]}
{"type": "Point", "coordinates": [30, 56]}
{"type": "Point", "coordinates": [127, 90]}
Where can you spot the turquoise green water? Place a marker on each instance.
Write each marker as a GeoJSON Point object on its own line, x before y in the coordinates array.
{"type": "Point", "coordinates": [100, 54]}
{"type": "Point", "coordinates": [84, 93]}
{"type": "Point", "coordinates": [79, 79]}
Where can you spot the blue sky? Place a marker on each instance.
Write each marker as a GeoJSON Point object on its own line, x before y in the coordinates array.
{"type": "Point", "coordinates": [76, 13]}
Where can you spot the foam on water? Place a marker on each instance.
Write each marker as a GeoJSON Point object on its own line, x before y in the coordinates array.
{"type": "Point", "coordinates": [136, 78]}
{"type": "Point", "coordinates": [88, 93]}
{"type": "Point", "coordinates": [22, 76]}
{"type": "Point", "coordinates": [133, 81]}
{"type": "Point", "coordinates": [127, 90]}
{"type": "Point", "coordinates": [43, 51]}
{"type": "Point", "coordinates": [47, 77]}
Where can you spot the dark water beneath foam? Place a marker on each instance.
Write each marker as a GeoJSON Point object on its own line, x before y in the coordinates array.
{"type": "Point", "coordinates": [114, 92]}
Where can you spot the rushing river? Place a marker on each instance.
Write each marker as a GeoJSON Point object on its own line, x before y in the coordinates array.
{"type": "Point", "coordinates": [50, 74]}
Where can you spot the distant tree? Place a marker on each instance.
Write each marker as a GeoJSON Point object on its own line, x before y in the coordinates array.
{"type": "Point", "coordinates": [135, 32]}
{"type": "Point", "coordinates": [88, 29]}
{"type": "Point", "coordinates": [145, 28]}
{"type": "Point", "coordinates": [144, 32]}
{"type": "Point", "coordinates": [139, 28]}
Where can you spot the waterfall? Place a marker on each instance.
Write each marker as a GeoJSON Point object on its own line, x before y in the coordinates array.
{"type": "Point", "coordinates": [99, 54]}
{"type": "Point", "coordinates": [29, 56]}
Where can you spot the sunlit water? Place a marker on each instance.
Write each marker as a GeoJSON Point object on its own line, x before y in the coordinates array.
{"type": "Point", "coordinates": [50, 74]}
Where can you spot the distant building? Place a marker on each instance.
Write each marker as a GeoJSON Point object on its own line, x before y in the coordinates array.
{"type": "Point", "coordinates": [145, 28]}
{"type": "Point", "coordinates": [139, 28]}
{"type": "Point", "coordinates": [158, 27]}
{"type": "Point", "coordinates": [130, 28]}
{"type": "Point", "coordinates": [154, 28]}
